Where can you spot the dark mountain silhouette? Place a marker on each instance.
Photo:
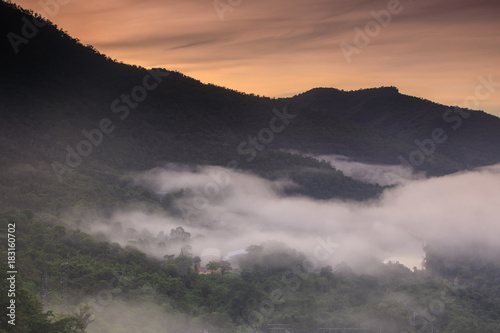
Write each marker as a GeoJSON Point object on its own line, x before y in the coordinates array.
{"type": "Point", "coordinates": [472, 135]}
{"type": "Point", "coordinates": [56, 93]}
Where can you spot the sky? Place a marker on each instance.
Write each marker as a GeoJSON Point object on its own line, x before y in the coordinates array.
{"type": "Point", "coordinates": [441, 50]}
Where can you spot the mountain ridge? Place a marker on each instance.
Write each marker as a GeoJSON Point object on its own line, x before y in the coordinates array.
{"type": "Point", "coordinates": [55, 90]}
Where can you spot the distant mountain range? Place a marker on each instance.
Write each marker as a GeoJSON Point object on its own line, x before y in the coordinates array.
{"type": "Point", "coordinates": [72, 121]}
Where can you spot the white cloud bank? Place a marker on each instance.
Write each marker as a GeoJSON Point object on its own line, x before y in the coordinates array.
{"type": "Point", "coordinates": [233, 210]}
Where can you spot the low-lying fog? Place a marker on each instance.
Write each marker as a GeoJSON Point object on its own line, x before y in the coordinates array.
{"type": "Point", "coordinates": [371, 173]}
{"type": "Point", "coordinates": [227, 211]}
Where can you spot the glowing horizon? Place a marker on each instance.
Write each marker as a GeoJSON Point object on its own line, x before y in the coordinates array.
{"type": "Point", "coordinates": [435, 50]}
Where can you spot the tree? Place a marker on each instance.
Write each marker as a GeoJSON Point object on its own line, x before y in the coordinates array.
{"type": "Point", "coordinates": [255, 249]}
{"type": "Point", "coordinates": [196, 262]}
{"type": "Point", "coordinates": [179, 234]}
{"type": "Point", "coordinates": [168, 258]}
{"type": "Point", "coordinates": [213, 265]}
{"type": "Point", "coordinates": [225, 266]}
{"type": "Point", "coordinates": [186, 250]}
{"type": "Point", "coordinates": [326, 272]}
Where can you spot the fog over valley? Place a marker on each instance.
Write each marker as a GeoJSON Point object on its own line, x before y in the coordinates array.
{"type": "Point", "coordinates": [228, 210]}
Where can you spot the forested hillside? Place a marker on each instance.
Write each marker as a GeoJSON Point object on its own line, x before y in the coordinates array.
{"type": "Point", "coordinates": [407, 119]}
{"type": "Point", "coordinates": [268, 287]}
{"type": "Point", "coordinates": [54, 90]}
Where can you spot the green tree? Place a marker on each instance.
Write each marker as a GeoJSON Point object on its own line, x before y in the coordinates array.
{"type": "Point", "coordinates": [225, 266]}
{"type": "Point", "coordinates": [213, 265]}
{"type": "Point", "coordinates": [196, 262]}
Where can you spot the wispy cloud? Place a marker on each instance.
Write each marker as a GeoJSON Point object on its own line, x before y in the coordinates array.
{"type": "Point", "coordinates": [457, 210]}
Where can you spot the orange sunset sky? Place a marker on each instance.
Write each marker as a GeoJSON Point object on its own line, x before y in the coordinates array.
{"type": "Point", "coordinates": [435, 49]}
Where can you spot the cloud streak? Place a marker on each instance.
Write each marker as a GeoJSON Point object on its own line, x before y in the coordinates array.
{"type": "Point", "coordinates": [384, 175]}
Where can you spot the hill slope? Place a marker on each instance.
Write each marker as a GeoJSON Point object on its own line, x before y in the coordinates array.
{"type": "Point", "coordinates": [472, 138]}
{"type": "Point", "coordinates": [54, 90]}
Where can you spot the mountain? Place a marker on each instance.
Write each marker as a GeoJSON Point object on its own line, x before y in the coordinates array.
{"type": "Point", "coordinates": [56, 92]}
{"type": "Point", "coordinates": [76, 125]}
{"type": "Point", "coordinates": [471, 138]}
